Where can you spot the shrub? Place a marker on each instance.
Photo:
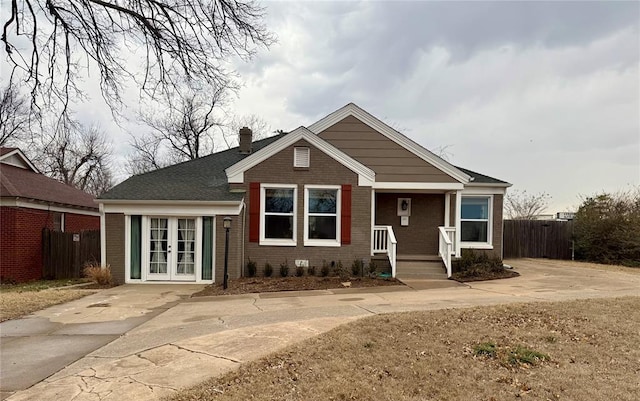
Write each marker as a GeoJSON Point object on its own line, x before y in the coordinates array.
{"type": "Point", "coordinates": [252, 267]}
{"type": "Point", "coordinates": [299, 271]}
{"type": "Point", "coordinates": [372, 267]}
{"type": "Point", "coordinates": [268, 269]}
{"type": "Point", "coordinates": [357, 267]}
{"type": "Point", "coordinates": [606, 228]}
{"type": "Point", "coordinates": [324, 271]}
{"type": "Point", "coordinates": [284, 268]}
{"type": "Point", "coordinates": [341, 271]}
{"type": "Point", "coordinates": [100, 275]}
{"type": "Point", "coordinates": [311, 270]}
{"type": "Point", "coordinates": [477, 264]}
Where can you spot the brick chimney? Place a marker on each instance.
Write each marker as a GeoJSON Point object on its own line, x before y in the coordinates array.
{"type": "Point", "coordinates": [246, 137]}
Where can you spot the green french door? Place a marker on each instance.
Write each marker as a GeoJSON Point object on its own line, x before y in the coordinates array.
{"type": "Point", "coordinates": [172, 249]}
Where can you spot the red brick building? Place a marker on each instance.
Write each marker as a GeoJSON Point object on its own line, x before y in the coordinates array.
{"type": "Point", "coordinates": [29, 202]}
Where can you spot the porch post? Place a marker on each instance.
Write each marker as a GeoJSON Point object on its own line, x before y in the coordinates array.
{"type": "Point", "coordinates": [447, 209]}
{"type": "Point", "coordinates": [373, 216]}
{"type": "Point", "coordinates": [458, 217]}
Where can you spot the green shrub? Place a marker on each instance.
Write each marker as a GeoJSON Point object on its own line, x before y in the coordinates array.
{"type": "Point", "coordinates": [341, 271]}
{"type": "Point", "coordinates": [357, 267]}
{"type": "Point", "coordinates": [324, 271]}
{"type": "Point", "coordinates": [299, 271]}
{"type": "Point", "coordinates": [311, 270]}
{"type": "Point", "coordinates": [252, 267]}
{"type": "Point", "coordinates": [284, 268]}
{"type": "Point", "coordinates": [606, 228]}
{"type": "Point", "coordinates": [472, 264]}
{"type": "Point", "coordinates": [372, 267]}
{"type": "Point", "coordinates": [268, 269]}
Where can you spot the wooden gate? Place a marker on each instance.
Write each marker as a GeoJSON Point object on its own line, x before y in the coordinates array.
{"type": "Point", "coordinates": [538, 239]}
{"type": "Point", "coordinates": [64, 254]}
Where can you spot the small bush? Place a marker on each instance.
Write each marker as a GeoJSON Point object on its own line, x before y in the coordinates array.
{"type": "Point", "coordinates": [357, 267]}
{"type": "Point", "coordinates": [488, 349]}
{"type": "Point", "coordinates": [472, 264]}
{"type": "Point", "coordinates": [284, 268]}
{"type": "Point", "coordinates": [98, 274]}
{"type": "Point", "coordinates": [341, 271]}
{"type": "Point", "coordinates": [324, 271]}
{"type": "Point", "coordinates": [268, 269]}
{"type": "Point", "coordinates": [372, 267]}
{"type": "Point", "coordinates": [252, 267]}
{"type": "Point", "coordinates": [311, 270]}
{"type": "Point", "coordinates": [299, 271]}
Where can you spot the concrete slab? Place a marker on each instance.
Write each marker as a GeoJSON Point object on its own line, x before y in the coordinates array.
{"type": "Point", "coordinates": [429, 284]}
{"type": "Point", "coordinates": [28, 360]}
{"type": "Point", "coordinates": [27, 327]}
{"type": "Point", "coordinates": [101, 328]}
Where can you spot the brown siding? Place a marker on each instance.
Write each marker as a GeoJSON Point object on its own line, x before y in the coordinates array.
{"type": "Point", "coordinates": [114, 236]}
{"type": "Point", "coordinates": [235, 248]}
{"type": "Point", "coordinates": [497, 225]}
{"type": "Point", "coordinates": [420, 237]}
{"type": "Point", "coordinates": [323, 170]}
{"type": "Point", "coordinates": [390, 161]}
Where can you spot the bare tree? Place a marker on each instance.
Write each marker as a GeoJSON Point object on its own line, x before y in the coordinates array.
{"type": "Point", "coordinates": [258, 125]}
{"type": "Point", "coordinates": [76, 156]}
{"type": "Point", "coordinates": [184, 130]}
{"type": "Point", "coordinates": [520, 205]}
{"type": "Point", "coordinates": [14, 116]}
{"type": "Point", "coordinates": [173, 38]}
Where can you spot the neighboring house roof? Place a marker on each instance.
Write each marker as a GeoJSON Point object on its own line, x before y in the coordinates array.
{"type": "Point", "coordinates": [354, 110]}
{"type": "Point", "coordinates": [478, 178]}
{"type": "Point", "coordinates": [202, 179]}
{"type": "Point", "coordinates": [4, 151]}
{"type": "Point", "coordinates": [18, 182]}
{"type": "Point", "coordinates": [235, 173]}
{"type": "Point", "coordinates": [15, 157]}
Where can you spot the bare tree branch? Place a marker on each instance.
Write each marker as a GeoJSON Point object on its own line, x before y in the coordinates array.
{"type": "Point", "coordinates": [520, 205]}
{"type": "Point", "coordinates": [14, 116]}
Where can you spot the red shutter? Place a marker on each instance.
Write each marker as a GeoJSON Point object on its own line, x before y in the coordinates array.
{"type": "Point", "coordinates": [254, 212]}
{"type": "Point", "coordinates": [345, 221]}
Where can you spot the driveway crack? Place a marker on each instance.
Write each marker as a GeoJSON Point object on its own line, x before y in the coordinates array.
{"type": "Point", "coordinates": [255, 300]}
{"type": "Point", "coordinates": [207, 354]}
{"type": "Point", "coordinates": [366, 309]}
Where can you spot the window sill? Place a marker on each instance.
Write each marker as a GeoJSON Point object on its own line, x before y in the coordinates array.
{"type": "Point", "coordinates": [327, 243]}
{"type": "Point", "coordinates": [476, 245]}
{"type": "Point", "coordinates": [274, 242]}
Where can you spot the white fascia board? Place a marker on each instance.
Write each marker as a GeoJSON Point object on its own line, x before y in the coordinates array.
{"type": "Point", "coordinates": [235, 173]}
{"type": "Point", "coordinates": [484, 190]}
{"type": "Point", "coordinates": [353, 110]}
{"type": "Point", "coordinates": [173, 208]}
{"type": "Point", "coordinates": [13, 202]}
{"type": "Point", "coordinates": [488, 184]}
{"type": "Point", "coordinates": [444, 186]}
{"type": "Point", "coordinates": [25, 159]}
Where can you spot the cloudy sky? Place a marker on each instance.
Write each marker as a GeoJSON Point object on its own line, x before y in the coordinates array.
{"type": "Point", "coordinates": [543, 95]}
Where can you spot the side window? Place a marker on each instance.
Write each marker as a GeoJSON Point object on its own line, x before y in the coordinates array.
{"type": "Point", "coordinates": [475, 219]}
{"type": "Point", "coordinates": [322, 216]}
{"type": "Point", "coordinates": [278, 214]}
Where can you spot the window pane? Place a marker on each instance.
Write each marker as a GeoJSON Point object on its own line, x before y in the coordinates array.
{"type": "Point", "coordinates": [474, 231]}
{"type": "Point", "coordinates": [322, 227]}
{"type": "Point", "coordinates": [278, 227]}
{"type": "Point", "coordinates": [475, 208]}
{"type": "Point", "coordinates": [322, 200]}
{"type": "Point", "coordinates": [279, 200]}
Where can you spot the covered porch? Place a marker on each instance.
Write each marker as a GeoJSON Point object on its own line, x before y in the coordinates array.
{"type": "Point", "coordinates": [415, 229]}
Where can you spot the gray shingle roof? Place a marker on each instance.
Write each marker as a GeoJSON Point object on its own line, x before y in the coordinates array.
{"type": "Point", "coordinates": [203, 179]}
{"type": "Point", "coordinates": [481, 178]}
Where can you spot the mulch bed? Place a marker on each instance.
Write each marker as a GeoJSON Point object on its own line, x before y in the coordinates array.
{"type": "Point", "coordinates": [465, 277]}
{"type": "Point", "coordinates": [246, 285]}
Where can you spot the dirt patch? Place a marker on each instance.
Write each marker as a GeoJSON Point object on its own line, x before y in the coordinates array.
{"type": "Point", "coordinates": [577, 350]}
{"type": "Point", "coordinates": [247, 285]}
{"type": "Point", "coordinates": [14, 304]}
{"type": "Point", "coordinates": [467, 276]}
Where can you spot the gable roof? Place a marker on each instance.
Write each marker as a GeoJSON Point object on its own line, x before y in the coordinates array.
{"type": "Point", "coordinates": [366, 176]}
{"type": "Point", "coordinates": [17, 182]}
{"type": "Point", "coordinates": [354, 110]}
{"type": "Point", "coordinates": [202, 179]}
{"type": "Point", "coordinates": [15, 157]}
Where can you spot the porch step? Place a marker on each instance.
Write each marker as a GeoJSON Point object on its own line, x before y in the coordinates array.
{"type": "Point", "coordinates": [423, 269]}
{"type": "Point", "coordinates": [419, 258]}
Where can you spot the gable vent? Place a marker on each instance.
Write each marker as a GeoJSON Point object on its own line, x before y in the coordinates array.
{"type": "Point", "coordinates": [301, 157]}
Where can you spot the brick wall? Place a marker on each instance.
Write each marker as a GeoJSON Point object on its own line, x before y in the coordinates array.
{"type": "Point", "coordinates": [21, 239]}
{"type": "Point", "coordinates": [114, 237]}
{"type": "Point", "coordinates": [325, 171]}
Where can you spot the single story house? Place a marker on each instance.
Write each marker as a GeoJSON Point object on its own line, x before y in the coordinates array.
{"type": "Point", "coordinates": [30, 202]}
{"type": "Point", "coordinates": [344, 188]}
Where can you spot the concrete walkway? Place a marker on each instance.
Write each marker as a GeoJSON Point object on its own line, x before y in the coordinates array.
{"type": "Point", "coordinates": [199, 338]}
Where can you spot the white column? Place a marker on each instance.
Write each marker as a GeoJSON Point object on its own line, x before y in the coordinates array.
{"type": "Point", "coordinates": [103, 237]}
{"type": "Point", "coordinates": [373, 215]}
{"type": "Point", "coordinates": [458, 217]}
{"type": "Point", "coordinates": [447, 209]}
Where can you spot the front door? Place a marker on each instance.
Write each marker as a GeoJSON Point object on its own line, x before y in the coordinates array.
{"type": "Point", "coordinates": [172, 249]}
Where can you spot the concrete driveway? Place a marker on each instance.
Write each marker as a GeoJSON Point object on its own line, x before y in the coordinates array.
{"type": "Point", "coordinates": [186, 341]}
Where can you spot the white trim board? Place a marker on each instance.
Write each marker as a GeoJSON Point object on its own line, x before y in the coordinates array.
{"type": "Point", "coordinates": [352, 109]}
{"type": "Point", "coordinates": [442, 186]}
{"type": "Point", "coordinates": [9, 202]}
{"type": "Point", "coordinates": [18, 153]}
{"type": "Point", "coordinates": [235, 173]}
{"type": "Point", "coordinates": [174, 209]}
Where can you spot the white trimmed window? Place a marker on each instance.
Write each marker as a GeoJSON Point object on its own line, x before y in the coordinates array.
{"type": "Point", "coordinates": [301, 157]}
{"type": "Point", "coordinates": [321, 215]}
{"type": "Point", "coordinates": [475, 222]}
{"type": "Point", "coordinates": [278, 215]}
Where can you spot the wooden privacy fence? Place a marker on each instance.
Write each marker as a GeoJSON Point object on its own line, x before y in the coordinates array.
{"type": "Point", "coordinates": [64, 254]}
{"type": "Point", "coordinates": [538, 239]}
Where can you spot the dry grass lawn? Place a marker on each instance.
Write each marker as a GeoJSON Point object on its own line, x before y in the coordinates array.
{"type": "Point", "coordinates": [592, 348]}
{"type": "Point", "coordinates": [577, 264]}
{"type": "Point", "coordinates": [14, 304]}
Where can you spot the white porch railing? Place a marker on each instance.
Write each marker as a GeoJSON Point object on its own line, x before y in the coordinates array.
{"type": "Point", "coordinates": [384, 241]}
{"type": "Point", "coordinates": [446, 247]}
